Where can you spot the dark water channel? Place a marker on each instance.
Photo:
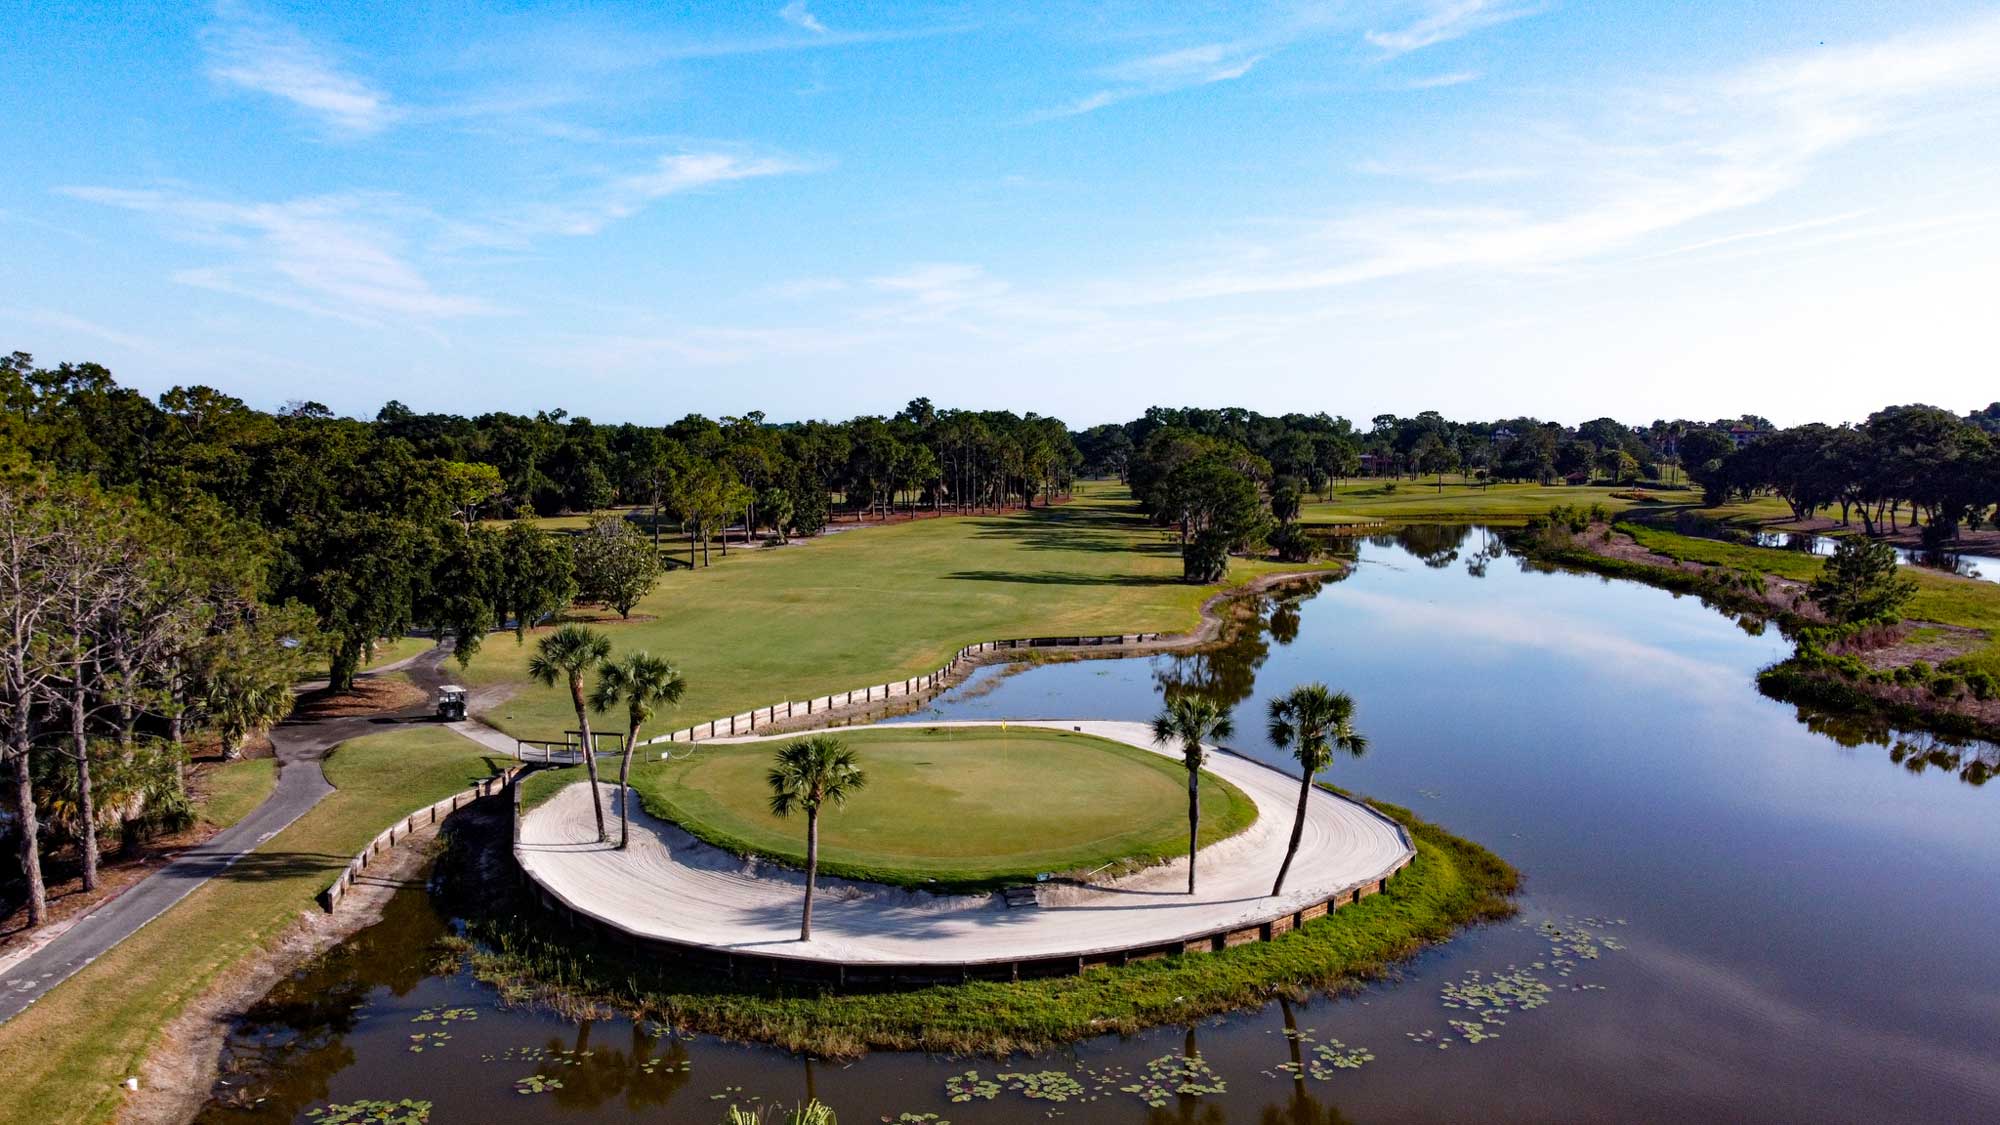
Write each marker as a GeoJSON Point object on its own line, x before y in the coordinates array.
{"type": "Point", "coordinates": [1730, 912]}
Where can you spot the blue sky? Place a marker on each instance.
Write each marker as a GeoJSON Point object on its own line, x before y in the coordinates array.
{"type": "Point", "coordinates": [817, 209]}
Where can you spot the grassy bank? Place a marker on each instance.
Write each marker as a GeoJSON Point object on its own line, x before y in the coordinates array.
{"type": "Point", "coordinates": [1452, 883]}
{"type": "Point", "coordinates": [1941, 598]}
{"type": "Point", "coordinates": [1934, 672]}
{"type": "Point", "coordinates": [882, 603]}
{"type": "Point", "coordinates": [64, 1056]}
{"type": "Point", "coordinates": [951, 809]}
{"type": "Point", "coordinates": [229, 790]}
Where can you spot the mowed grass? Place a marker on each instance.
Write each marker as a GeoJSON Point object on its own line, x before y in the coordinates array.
{"type": "Point", "coordinates": [955, 808]}
{"type": "Point", "coordinates": [65, 1056]}
{"type": "Point", "coordinates": [231, 789]}
{"type": "Point", "coordinates": [1423, 502]}
{"type": "Point", "coordinates": [1942, 598]}
{"type": "Point", "coordinates": [1452, 883]}
{"type": "Point", "coordinates": [881, 603]}
{"type": "Point", "coordinates": [386, 652]}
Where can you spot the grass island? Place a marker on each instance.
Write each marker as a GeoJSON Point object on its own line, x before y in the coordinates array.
{"type": "Point", "coordinates": [947, 808]}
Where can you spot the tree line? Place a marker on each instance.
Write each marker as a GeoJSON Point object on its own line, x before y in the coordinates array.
{"type": "Point", "coordinates": [176, 563]}
{"type": "Point", "coordinates": [1944, 468]}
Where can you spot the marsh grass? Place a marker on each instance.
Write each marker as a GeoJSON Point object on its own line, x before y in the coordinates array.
{"type": "Point", "coordinates": [1452, 883]}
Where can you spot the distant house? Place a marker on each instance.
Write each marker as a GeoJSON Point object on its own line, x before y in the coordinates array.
{"type": "Point", "coordinates": [1378, 464]}
{"type": "Point", "coordinates": [1740, 436]}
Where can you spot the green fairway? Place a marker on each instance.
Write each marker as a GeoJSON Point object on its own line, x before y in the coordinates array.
{"type": "Point", "coordinates": [1424, 502]}
{"type": "Point", "coordinates": [874, 604]}
{"type": "Point", "coordinates": [955, 807]}
{"type": "Point", "coordinates": [65, 1056]}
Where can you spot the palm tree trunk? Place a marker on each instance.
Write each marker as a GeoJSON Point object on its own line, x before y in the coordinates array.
{"type": "Point", "coordinates": [589, 755]}
{"type": "Point", "coordinates": [1298, 830]}
{"type": "Point", "coordinates": [812, 872]}
{"type": "Point", "coordinates": [624, 789]}
{"type": "Point", "coordinates": [1194, 820]}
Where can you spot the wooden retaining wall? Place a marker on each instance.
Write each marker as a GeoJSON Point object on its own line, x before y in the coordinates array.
{"type": "Point", "coordinates": [404, 828]}
{"type": "Point", "coordinates": [740, 965]}
{"type": "Point", "coordinates": [747, 722]}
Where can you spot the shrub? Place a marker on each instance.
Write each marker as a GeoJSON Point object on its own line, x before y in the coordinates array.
{"type": "Point", "coordinates": [1859, 580]}
{"type": "Point", "coordinates": [1294, 544]}
{"type": "Point", "coordinates": [1205, 558]}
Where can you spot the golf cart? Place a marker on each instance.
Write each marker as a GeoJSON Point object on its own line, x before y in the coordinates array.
{"type": "Point", "coordinates": [451, 703]}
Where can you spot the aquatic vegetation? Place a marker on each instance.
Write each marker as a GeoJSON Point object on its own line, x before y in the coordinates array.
{"type": "Point", "coordinates": [424, 1040]}
{"type": "Point", "coordinates": [660, 1063]}
{"type": "Point", "coordinates": [1171, 1076]}
{"type": "Point", "coordinates": [536, 1084]}
{"type": "Point", "coordinates": [445, 1015]}
{"type": "Point", "coordinates": [967, 1086]}
{"type": "Point", "coordinates": [916, 1119]}
{"type": "Point", "coordinates": [405, 1111]}
{"type": "Point", "coordinates": [1040, 1085]}
{"type": "Point", "coordinates": [1488, 1000]}
{"type": "Point", "coordinates": [1325, 1058]}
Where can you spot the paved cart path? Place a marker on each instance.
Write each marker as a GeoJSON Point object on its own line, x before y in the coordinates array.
{"type": "Point", "coordinates": [300, 746]}
{"type": "Point", "coordinates": [669, 885]}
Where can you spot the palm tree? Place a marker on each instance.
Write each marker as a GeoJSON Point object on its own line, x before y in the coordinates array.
{"type": "Point", "coordinates": [1192, 720]}
{"type": "Point", "coordinates": [570, 653]}
{"type": "Point", "coordinates": [808, 775]}
{"type": "Point", "coordinates": [642, 683]}
{"type": "Point", "coordinates": [242, 703]}
{"type": "Point", "coordinates": [1312, 722]}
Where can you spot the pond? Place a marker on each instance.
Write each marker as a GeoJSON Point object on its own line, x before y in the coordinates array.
{"type": "Point", "coordinates": [1950, 562]}
{"type": "Point", "coordinates": [1730, 910]}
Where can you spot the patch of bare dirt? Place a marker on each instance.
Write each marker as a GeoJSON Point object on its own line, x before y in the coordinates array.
{"type": "Point", "coordinates": [370, 696]}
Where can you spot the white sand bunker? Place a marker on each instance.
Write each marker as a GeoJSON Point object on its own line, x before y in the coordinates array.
{"type": "Point", "coordinates": [670, 886]}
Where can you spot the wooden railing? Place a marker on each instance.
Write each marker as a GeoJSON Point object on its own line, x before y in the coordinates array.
{"type": "Point", "coordinates": [407, 826]}
{"type": "Point", "coordinates": [747, 722]}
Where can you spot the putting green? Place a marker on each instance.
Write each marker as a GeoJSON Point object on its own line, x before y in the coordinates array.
{"type": "Point", "coordinates": [955, 808]}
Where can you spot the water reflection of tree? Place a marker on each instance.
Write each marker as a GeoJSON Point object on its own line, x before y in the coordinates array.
{"type": "Point", "coordinates": [287, 1048]}
{"type": "Point", "coordinates": [1971, 760]}
{"type": "Point", "coordinates": [1491, 549]}
{"type": "Point", "coordinates": [1225, 672]}
{"type": "Point", "coordinates": [1435, 544]}
{"type": "Point", "coordinates": [1302, 1108]}
{"type": "Point", "coordinates": [1189, 1109]}
{"type": "Point", "coordinates": [596, 1075]}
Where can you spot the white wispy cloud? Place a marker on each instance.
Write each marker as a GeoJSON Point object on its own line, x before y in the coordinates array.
{"type": "Point", "coordinates": [256, 52]}
{"type": "Point", "coordinates": [1447, 21]}
{"type": "Point", "coordinates": [1440, 81]}
{"type": "Point", "coordinates": [330, 255]}
{"type": "Point", "coordinates": [625, 195]}
{"type": "Point", "coordinates": [1628, 169]}
{"type": "Point", "coordinates": [796, 14]}
{"type": "Point", "coordinates": [1165, 73]}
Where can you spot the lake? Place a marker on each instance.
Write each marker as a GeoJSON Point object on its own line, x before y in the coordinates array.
{"type": "Point", "coordinates": [1730, 910]}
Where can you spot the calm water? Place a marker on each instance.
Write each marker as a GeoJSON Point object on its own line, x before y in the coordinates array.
{"type": "Point", "coordinates": [1756, 919]}
{"type": "Point", "coordinates": [1951, 562]}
